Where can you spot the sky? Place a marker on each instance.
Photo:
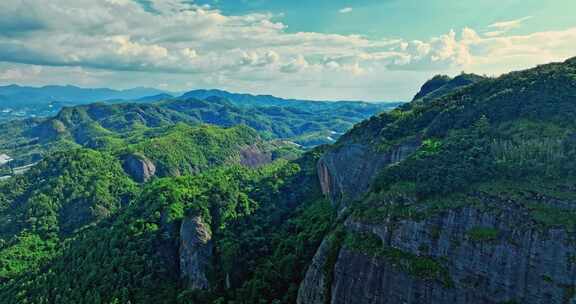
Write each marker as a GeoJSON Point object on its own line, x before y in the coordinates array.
{"type": "Point", "coordinates": [372, 50]}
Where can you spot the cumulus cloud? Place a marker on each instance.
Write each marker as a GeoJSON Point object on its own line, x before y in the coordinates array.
{"type": "Point", "coordinates": [443, 52]}
{"type": "Point", "coordinates": [186, 44]}
{"type": "Point", "coordinates": [296, 65]}
{"type": "Point", "coordinates": [486, 54]}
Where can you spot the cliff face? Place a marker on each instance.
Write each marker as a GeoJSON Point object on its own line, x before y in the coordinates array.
{"type": "Point", "coordinates": [482, 254]}
{"type": "Point", "coordinates": [313, 288]}
{"type": "Point", "coordinates": [483, 213]}
{"type": "Point", "coordinates": [346, 172]}
{"type": "Point", "coordinates": [195, 252]}
{"type": "Point", "coordinates": [140, 168]}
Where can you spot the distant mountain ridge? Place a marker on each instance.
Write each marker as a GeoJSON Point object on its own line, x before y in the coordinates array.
{"type": "Point", "coordinates": [305, 123]}
{"type": "Point", "coordinates": [244, 99]}
{"type": "Point", "coordinates": [15, 95]}
{"type": "Point", "coordinates": [18, 102]}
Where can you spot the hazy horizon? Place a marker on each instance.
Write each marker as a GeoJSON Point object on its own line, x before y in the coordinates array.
{"type": "Point", "coordinates": [331, 50]}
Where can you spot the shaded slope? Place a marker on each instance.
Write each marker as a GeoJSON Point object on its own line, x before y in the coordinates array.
{"type": "Point", "coordinates": [450, 220]}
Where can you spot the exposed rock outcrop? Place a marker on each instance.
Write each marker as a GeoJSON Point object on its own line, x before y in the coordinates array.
{"type": "Point", "coordinates": [313, 286]}
{"type": "Point", "coordinates": [195, 252]}
{"type": "Point", "coordinates": [346, 172]}
{"type": "Point", "coordinates": [519, 263]}
{"type": "Point", "coordinates": [253, 156]}
{"type": "Point", "coordinates": [139, 167]}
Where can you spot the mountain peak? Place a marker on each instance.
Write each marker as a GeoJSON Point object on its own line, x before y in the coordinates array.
{"type": "Point", "coordinates": [441, 85]}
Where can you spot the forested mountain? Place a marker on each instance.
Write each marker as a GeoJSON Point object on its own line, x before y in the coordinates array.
{"type": "Point", "coordinates": [249, 100]}
{"type": "Point", "coordinates": [98, 125]}
{"type": "Point", "coordinates": [17, 102]}
{"type": "Point", "coordinates": [465, 197]}
{"type": "Point", "coordinates": [441, 85]}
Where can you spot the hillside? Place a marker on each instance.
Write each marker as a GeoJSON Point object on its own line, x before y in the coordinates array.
{"type": "Point", "coordinates": [21, 102]}
{"type": "Point", "coordinates": [469, 197]}
{"type": "Point", "coordinates": [153, 238]}
{"type": "Point", "coordinates": [100, 124]}
{"type": "Point", "coordinates": [464, 199]}
{"type": "Point", "coordinates": [441, 85]}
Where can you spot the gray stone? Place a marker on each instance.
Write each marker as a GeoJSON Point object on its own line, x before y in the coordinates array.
{"type": "Point", "coordinates": [315, 278]}
{"type": "Point", "coordinates": [346, 172]}
{"type": "Point", "coordinates": [195, 252]}
{"type": "Point", "coordinates": [139, 167]}
{"type": "Point", "coordinates": [525, 264]}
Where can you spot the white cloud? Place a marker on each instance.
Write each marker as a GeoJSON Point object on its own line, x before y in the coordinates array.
{"type": "Point", "coordinates": [494, 33]}
{"type": "Point", "coordinates": [118, 42]}
{"type": "Point", "coordinates": [20, 74]}
{"type": "Point", "coordinates": [345, 10]}
{"type": "Point", "coordinates": [502, 27]}
{"type": "Point", "coordinates": [508, 25]}
{"type": "Point", "coordinates": [296, 65]}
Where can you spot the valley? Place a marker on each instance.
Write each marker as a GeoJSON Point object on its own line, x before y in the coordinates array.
{"type": "Point", "coordinates": [467, 194]}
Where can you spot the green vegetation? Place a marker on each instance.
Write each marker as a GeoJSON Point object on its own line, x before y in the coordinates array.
{"type": "Point", "coordinates": [184, 150]}
{"type": "Point", "coordinates": [112, 126]}
{"type": "Point", "coordinates": [98, 231]}
{"type": "Point", "coordinates": [422, 267]}
{"type": "Point", "coordinates": [58, 197]}
{"type": "Point", "coordinates": [77, 229]}
{"type": "Point", "coordinates": [483, 234]}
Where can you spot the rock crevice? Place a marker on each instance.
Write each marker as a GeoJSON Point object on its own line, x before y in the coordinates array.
{"type": "Point", "coordinates": [195, 252]}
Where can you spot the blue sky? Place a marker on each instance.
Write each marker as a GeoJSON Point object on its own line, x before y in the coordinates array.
{"type": "Point", "coordinates": [412, 19]}
{"type": "Point", "coordinates": [371, 50]}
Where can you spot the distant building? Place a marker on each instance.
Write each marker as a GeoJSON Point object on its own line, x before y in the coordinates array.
{"type": "Point", "coordinates": [4, 159]}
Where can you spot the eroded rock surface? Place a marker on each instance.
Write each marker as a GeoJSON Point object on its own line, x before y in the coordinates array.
{"type": "Point", "coordinates": [140, 168]}
{"type": "Point", "coordinates": [346, 172]}
{"type": "Point", "coordinates": [195, 252]}
{"type": "Point", "coordinates": [519, 263]}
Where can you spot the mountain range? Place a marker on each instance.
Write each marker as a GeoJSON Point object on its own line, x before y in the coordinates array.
{"type": "Point", "coordinates": [465, 195]}
{"type": "Point", "coordinates": [17, 102]}
{"type": "Point", "coordinates": [18, 96]}
{"type": "Point", "coordinates": [306, 123]}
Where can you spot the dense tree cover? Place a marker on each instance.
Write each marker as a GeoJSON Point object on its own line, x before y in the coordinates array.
{"type": "Point", "coordinates": [183, 150]}
{"type": "Point", "coordinates": [62, 194]}
{"type": "Point", "coordinates": [76, 229]}
{"type": "Point", "coordinates": [518, 125]}
{"type": "Point", "coordinates": [110, 126]}
{"type": "Point", "coordinates": [258, 217]}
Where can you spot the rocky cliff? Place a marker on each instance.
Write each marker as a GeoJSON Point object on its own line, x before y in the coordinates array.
{"type": "Point", "coordinates": [480, 210]}
{"type": "Point", "coordinates": [346, 172]}
{"type": "Point", "coordinates": [139, 167]}
{"type": "Point", "coordinates": [496, 251]}
{"type": "Point", "coordinates": [195, 252]}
